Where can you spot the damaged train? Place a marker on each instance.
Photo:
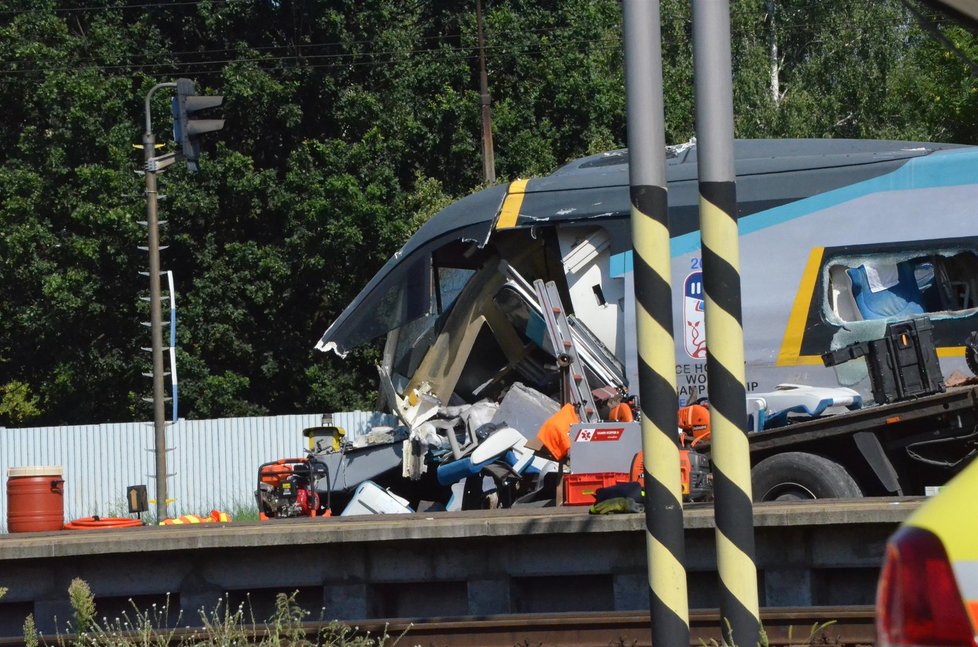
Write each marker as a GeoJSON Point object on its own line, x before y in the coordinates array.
{"type": "Point", "coordinates": [838, 239]}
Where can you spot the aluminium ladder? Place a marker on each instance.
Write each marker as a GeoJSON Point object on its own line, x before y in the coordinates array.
{"type": "Point", "coordinates": [575, 387]}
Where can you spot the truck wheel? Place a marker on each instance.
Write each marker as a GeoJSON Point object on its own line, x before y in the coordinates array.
{"type": "Point", "coordinates": [797, 475]}
{"type": "Point", "coordinates": [971, 352]}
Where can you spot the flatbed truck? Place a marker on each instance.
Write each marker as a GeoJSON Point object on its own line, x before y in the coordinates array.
{"type": "Point", "coordinates": [897, 449]}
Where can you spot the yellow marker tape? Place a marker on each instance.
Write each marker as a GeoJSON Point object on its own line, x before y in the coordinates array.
{"type": "Point", "coordinates": [511, 205]}
{"type": "Point", "coordinates": [790, 354]}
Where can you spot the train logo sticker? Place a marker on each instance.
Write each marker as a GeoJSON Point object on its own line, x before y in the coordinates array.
{"type": "Point", "coordinates": [694, 326]}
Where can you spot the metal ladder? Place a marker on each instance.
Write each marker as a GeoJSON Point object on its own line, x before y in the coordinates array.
{"type": "Point", "coordinates": [575, 387]}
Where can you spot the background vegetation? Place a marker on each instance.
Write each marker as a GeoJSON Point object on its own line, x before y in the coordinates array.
{"type": "Point", "coordinates": [349, 122]}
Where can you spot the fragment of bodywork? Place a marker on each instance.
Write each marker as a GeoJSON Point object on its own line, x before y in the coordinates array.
{"type": "Point", "coordinates": [369, 457]}
{"type": "Point", "coordinates": [524, 409]}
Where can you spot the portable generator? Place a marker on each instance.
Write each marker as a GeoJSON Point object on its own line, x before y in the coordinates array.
{"type": "Point", "coordinates": [694, 466]}
{"type": "Point", "coordinates": [287, 488]}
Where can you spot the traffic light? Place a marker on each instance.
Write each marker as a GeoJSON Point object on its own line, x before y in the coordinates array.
{"type": "Point", "coordinates": [186, 129]}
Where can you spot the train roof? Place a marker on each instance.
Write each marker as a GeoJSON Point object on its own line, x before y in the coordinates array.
{"type": "Point", "coordinates": [597, 186]}
{"type": "Point", "coordinates": [770, 172]}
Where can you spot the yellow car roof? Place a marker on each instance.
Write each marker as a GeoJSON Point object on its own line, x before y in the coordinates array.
{"type": "Point", "coordinates": [952, 515]}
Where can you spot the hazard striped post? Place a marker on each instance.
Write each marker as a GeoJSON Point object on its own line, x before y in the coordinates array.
{"type": "Point", "coordinates": [724, 331]}
{"type": "Point", "coordinates": [668, 602]}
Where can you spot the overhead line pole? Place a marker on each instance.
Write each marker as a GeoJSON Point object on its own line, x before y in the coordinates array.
{"type": "Point", "coordinates": [651, 259]}
{"type": "Point", "coordinates": [724, 323]}
{"type": "Point", "coordinates": [488, 156]}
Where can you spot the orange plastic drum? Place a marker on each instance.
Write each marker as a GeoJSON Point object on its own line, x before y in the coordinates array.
{"type": "Point", "coordinates": [35, 499]}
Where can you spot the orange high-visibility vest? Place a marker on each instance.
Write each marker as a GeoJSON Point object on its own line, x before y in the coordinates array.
{"type": "Point", "coordinates": [554, 434]}
{"type": "Point", "coordinates": [621, 413]}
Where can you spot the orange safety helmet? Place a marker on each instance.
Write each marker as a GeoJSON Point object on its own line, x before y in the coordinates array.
{"type": "Point", "coordinates": [695, 419]}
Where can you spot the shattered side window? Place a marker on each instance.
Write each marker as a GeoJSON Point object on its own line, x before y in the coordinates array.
{"type": "Point", "coordinates": [449, 284]}
{"type": "Point", "coordinates": [402, 301]}
{"type": "Point", "coordinates": [898, 285]}
{"type": "Point", "coordinates": [408, 343]}
{"type": "Point", "coordinates": [403, 290]}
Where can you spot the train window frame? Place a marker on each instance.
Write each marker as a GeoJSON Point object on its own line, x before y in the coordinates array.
{"type": "Point", "coordinates": [944, 283]}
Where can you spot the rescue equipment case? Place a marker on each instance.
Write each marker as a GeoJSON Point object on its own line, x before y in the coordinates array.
{"type": "Point", "coordinates": [902, 365]}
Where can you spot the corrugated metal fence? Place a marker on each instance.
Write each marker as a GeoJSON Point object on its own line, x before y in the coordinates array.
{"type": "Point", "coordinates": [213, 463]}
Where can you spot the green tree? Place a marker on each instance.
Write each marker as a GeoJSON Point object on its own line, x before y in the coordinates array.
{"type": "Point", "coordinates": [349, 123]}
{"type": "Point", "coordinates": [17, 403]}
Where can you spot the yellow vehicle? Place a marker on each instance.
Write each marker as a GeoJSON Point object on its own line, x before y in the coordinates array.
{"type": "Point", "coordinates": [928, 589]}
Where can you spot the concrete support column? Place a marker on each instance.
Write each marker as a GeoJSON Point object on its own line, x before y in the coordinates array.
{"type": "Point", "coordinates": [631, 591]}
{"type": "Point", "coordinates": [53, 614]}
{"type": "Point", "coordinates": [489, 596]}
{"type": "Point", "coordinates": [788, 587]}
{"type": "Point", "coordinates": [346, 601]}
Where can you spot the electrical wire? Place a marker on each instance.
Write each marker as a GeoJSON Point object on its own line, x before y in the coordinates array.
{"type": "Point", "coordinates": [311, 60]}
{"type": "Point", "coordinates": [342, 59]}
{"type": "Point", "coordinates": [303, 54]}
{"type": "Point", "coordinates": [392, 56]}
{"type": "Point", "coordinates": [177, 68]}
{"type": "Point", "coordinates": [143, 5]}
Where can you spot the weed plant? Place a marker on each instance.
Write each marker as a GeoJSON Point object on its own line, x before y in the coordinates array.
{"type": "Point", "coordinates": [814, 637]}
{"type": "Point", "coordinates": [220, 627]}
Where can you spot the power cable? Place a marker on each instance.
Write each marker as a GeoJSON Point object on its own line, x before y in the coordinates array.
{"type": "Point", "coordinates": [300, 59]}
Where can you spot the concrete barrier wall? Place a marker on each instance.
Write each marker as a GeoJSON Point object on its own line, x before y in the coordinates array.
{"type": "Point", "coordinates": [213, 463]}
{"type": "Point", "coordinates": [444, 565]}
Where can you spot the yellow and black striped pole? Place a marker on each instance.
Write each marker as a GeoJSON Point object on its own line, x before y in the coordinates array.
{"type": "Point", "coordinates": [724, 327]}
{"type": "Point", "coordinates": [668, 602]}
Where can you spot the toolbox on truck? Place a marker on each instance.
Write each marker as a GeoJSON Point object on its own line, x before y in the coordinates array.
{"type": "Point", "coordinates": [902, 365]}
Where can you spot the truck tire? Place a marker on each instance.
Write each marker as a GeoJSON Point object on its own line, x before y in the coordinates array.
{"type": "Point", "coordinates": [971, 352]}
{"type": "Point", "coordinates": [797, 475]}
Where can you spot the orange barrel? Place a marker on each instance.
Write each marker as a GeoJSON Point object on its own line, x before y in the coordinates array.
{"type": "Point", "coordinates": [35, 499]}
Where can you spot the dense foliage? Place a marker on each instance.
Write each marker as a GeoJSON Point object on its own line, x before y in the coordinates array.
{"type": "Point", "coordinates": [349, 122]}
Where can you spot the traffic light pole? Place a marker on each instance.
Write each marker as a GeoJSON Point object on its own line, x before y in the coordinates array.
{"type": "Point", "coordinates": [185, 131]}
{"type": "Point", "coordinates": [155, 307]}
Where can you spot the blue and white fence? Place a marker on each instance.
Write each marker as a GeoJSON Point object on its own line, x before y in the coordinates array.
{"type": "Point", "coordinates": [213, 463]}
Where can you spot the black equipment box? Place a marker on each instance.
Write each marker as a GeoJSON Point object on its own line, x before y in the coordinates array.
{"type": "Point", "coordinates": [902, 365]}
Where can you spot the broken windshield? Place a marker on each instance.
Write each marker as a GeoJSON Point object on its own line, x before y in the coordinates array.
{"type": "Point", "coordinates": [402, 290]}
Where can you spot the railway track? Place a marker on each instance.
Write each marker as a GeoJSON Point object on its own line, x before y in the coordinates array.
{"type": "Point", "coordinates": [843, 626]}
{"type": "Point", "coordinates": [783, 626]}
